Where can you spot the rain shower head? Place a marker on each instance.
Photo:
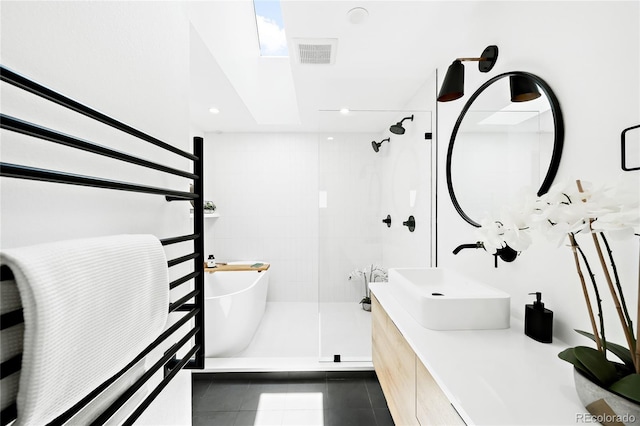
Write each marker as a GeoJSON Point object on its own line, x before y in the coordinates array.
{"type": "Point", "coordinates": [376, 145]}
{"type": "Point", "coordinates": [397, 128]}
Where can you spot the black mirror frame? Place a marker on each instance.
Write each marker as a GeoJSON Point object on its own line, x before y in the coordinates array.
{"type": "Point", "coordinates": [558, 138]}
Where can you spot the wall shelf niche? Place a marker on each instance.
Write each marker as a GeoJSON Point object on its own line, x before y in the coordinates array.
{"type": "Point", "coordinates": [206, 215]}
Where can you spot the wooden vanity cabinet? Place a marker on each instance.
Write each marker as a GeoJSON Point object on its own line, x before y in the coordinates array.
{"type": "Point", "coordinates": [432, 405]}
{"type": "Point", "coordinates": [395, 365]}
{"type": "Point", "coordinates": [413, 396]}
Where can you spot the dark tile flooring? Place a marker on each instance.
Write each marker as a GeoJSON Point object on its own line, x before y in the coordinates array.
{"type": "Point", "coordinates": [289, 399]}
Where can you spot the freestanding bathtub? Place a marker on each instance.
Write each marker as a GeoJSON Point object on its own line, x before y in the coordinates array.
{"type": "Point", "coordinates": [234, 305]}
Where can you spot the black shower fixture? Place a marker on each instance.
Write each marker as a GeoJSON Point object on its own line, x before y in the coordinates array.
{"type": "Point", "coordinates": [410, 223]}
{"type": "Point", "coordinates": [376, 145]}
{"type": "Point", "coordinates": [397, 128]}
{"type": "Point", "coordinates": [453, 85]}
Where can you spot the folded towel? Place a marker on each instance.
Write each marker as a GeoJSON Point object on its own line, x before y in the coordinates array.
{"type": "Point", "coordinates": [90, 306]}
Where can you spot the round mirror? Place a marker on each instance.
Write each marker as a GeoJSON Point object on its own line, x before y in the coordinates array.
{"type": "Point", "coordinates": [508, 138]}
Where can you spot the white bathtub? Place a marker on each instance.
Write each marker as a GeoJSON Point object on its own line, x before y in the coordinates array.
{"type": "Point", "coordinates": [233, 308]}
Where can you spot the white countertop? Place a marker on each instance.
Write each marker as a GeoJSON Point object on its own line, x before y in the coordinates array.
{"type": "Point", "coordinates": [492, 377]}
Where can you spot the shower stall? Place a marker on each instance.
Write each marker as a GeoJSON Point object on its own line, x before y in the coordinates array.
{"type": "Point", "coordinates": [365, 196]}
{"type": "Point", "coordinates": [314, 206]}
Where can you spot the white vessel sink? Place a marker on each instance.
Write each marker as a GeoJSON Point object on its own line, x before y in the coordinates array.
{"type": "Point", "coordinates": [442, 299]}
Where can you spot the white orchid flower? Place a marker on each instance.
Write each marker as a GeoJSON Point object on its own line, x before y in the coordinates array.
{"type": "Point", "coordinates": [517, 239]}
{"type": "Point", "coordinates": [490, 233]}
{"type": "Point", "coordinates": [564, 209]}
{"type": "Point", "coordinates": [623, 222]}
{"type": "Point", "coordinates": [370, 273]}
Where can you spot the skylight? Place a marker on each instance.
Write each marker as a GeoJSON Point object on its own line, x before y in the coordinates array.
{"type": "Point", "coordinates": [270, 24]}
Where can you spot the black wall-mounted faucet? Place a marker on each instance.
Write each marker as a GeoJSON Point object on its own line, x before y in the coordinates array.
{"type": "Point", "coordinates": [387, 221]}
{"type": "Point", "coordinates": [506, 253]}
{"type": "Point", "coordinates": [468, 246]}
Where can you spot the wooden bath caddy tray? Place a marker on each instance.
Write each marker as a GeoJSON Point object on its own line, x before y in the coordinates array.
{"type": "Point", "coordinates": [247, 267]}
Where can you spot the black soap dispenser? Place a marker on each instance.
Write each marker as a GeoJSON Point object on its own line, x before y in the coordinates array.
{"type": "Point", "coordinates": [538, 321]}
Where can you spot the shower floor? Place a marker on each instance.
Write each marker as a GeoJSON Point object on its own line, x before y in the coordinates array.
{"type": "Point", "coordinates": [305, 337]}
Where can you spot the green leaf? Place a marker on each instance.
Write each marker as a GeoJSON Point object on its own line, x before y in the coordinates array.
{"type": "Point", "coordinates": [620, 351]}
{"type": "Point", "coordinates": [628, 386]}
{"type": "Point", "coordinates": [570, 356]}
{"type": "Point", "coordinates": [594, 361]}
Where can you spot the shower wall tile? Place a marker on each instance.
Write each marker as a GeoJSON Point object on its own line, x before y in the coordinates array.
{"type": "Point", "coordinates": [265, 187]}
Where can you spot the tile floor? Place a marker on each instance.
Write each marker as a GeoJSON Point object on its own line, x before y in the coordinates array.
{"type": "Point", "coordinates": [289, 399]}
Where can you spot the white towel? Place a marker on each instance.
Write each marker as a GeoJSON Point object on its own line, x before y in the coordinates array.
{"type": "Point", "coordinates": [90, 306]}
{"type": "Point", "coordinates": [11, 339]}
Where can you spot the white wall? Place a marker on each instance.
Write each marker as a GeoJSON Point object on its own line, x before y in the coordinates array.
{"type": "Point", "coordinates": [588, 52]}
{"type": "Point", "coordinates": [94, 53]}
{"type": "Point", "coordinates": [128, 60]}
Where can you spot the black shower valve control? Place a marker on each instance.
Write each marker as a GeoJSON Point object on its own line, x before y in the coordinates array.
{"type": "Point", "coordinates": [410, 223]}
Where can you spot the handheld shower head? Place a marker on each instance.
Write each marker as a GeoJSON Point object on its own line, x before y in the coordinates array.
{"type": "Point", "coordinates": [397, 128]}
{"type": "Point", "coordinates": [376, 145]}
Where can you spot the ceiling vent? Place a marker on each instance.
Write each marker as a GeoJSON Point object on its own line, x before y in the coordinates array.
{"type": "Point", "coordinates": [319, 51]}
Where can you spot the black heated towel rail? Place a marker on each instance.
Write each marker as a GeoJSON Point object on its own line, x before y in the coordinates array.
{"type": "Point", "coordinates": [191, 314]}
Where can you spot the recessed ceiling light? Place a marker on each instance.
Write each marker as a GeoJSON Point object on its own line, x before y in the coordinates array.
{"type": "Point", "coordinates": [344, 111]}
{"type": "Point", "coordinates": [357, 15]}
{"type": "Point", "coordinates": [330, 138]}
{"type": "Point", "coordinates": [214, 110]}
